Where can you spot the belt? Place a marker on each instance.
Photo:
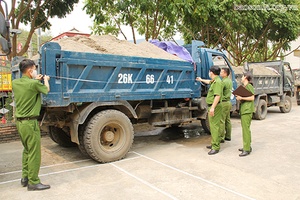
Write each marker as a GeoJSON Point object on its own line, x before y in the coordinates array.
{"type": "Point", "coordinates": [26, 118]}
{"type": "Point", "coordinates": [225, 101]}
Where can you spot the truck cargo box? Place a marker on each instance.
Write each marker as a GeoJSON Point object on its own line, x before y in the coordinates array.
{"type": "Point", "coordinates": [266, 79]}
{"type": "Point", "coordinates": [90, 77]}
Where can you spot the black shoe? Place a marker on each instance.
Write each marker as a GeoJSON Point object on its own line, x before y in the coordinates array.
{"type": "Point", "coordinates": [38, 186]}
{"type": "Point", "coordinates": [241, 149]}
{"type": "Point", "coordinates": [208, 147]}
{"type": "Point", "coordinates": [222, 141]}
{"type": "Point", "coordinates": [244, 153]}
{"type": "Point", "coordinates": [228, 139]}
{"type": "Point", "coordinates": [24, 182]}
{"type": "Point", "coordinates": [212, 152]}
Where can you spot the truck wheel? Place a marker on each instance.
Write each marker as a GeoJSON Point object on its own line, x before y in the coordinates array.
{"type": "Point", "coordinates": [261, 111]}
{"type": "Point", "coordinates": [60, 137]}
{"type": "Point", "coordinates": [205, 124]}
{"type": "Point", "coordinates": [287, 105]}
{"type": "Point", "coordinates": [108, 136]}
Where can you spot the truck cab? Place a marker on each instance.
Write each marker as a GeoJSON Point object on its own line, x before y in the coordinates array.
{"type": "Point", "coordinates": [204, 58]}
{"type": "Point", "coordinates": [296, 73]}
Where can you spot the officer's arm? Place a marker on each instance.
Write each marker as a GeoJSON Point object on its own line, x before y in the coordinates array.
{"type": "Point", "coordinates": [46, 82]}
{"type": "Point", "coordinates": [250, 98]}
{"type": "Point", "coordinates": [216, 101]}
{"type": "Point", "coordinates": [206, 81]}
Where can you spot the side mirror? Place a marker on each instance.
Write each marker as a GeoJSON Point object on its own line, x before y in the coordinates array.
{"type": "Point", "coordinates": [246, 67]}
{"type": "Point", "coordinates": [3, 28]}
{"type": "Point", "coordinates": [4, 32]}
{"type": "Point", "coordinates": [4, 45]}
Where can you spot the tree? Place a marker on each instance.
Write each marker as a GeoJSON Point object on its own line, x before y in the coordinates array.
{"type": "Point", "coordinates": [33, 47]}
{"type": "Point", "coordinates": [248, 30]}
{"type": "Point", "coordinates": [35, 13]}
{"type": "Point", "coordinates": [251, 30]}
{"type": "Point", "coordinates": [153, 19]}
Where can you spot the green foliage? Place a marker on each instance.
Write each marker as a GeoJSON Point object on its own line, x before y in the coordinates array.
{"type": "Point", "coordinates": [153, 19]}
{"type": "Point", "coordinates": [252, 30]}
{"type": "Point", "coordinates": [35, 13]}
{"type": "Point", "coordinates": [249, 30]}
{"type": "Point", "coordinates": [39, 11]}
{"type": "Point", "coordinates": [22, 38]}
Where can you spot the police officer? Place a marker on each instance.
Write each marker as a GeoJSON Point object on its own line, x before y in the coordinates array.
{"type": "Point", "coordinates": [246, 112]}
{"type": "Point", "coordinates": [27, 95]}
{"type": "Point", "coordinates": [213, 99]}
{"type": "Point", "coordinates": [225, 128]}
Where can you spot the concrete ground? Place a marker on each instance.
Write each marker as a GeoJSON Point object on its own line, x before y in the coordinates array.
{"type": "Point", "coordinates": [171, 164]}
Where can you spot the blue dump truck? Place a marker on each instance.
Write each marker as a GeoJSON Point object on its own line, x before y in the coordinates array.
{"type": "Point", "coordinates": [96, 98]}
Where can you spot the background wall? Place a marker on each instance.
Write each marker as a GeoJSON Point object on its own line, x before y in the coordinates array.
{"type": "Point", "coordinates": [8, 132]}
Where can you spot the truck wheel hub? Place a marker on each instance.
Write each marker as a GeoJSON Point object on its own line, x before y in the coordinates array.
{"type": "Point", "coordinates": [109, 136]}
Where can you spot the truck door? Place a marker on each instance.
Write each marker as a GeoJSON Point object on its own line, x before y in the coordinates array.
{"type": "Point", "coordinates": [288, 80]}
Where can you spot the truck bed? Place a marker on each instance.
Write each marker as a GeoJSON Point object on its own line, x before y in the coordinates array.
{"type": "Point", "coordinates": [77, 77]}
{"type": "Point", "coordinates": [266, 79]}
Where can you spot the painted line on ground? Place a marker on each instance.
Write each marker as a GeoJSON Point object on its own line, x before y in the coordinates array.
{"type": "Point", "coordinates": [59, 172]}
{"type": "Point", "coordinates": [48, 166]}
{"type": "Point", "coordinates": [145, 182]}
{"type": "Point", "coordinates": [124, 160]}
{"type": "Point", "coordinates": [197, 177]}
{"type": "Point", "coordinates": [52, 173]}
{"type": "Point", "coordinates": [60, 164]}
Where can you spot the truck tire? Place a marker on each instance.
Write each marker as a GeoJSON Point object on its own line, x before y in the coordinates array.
{"type": "Point", "coordinates": [205, 124]}
{"type": "Point", "coordinates": [81, 146]}
{"type": "Point", "coordinates": [60, 137]}
{"type": "Point", "coordinates": [261, 110]}
{"type": "Point", "coordinates": [298, 97]}
{"type": "Point", "coordinates": [287, 105]}
{"type": "Point", "coordinates": [108, 136]}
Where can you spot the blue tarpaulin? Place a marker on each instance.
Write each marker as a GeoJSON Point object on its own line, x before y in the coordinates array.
{"type": "Point", "coordinates": [174, 49]}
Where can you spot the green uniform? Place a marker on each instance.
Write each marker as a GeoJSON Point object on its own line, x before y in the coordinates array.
{"type": "Point", "coordinates": [246, 112]}
{"type": "Point", "coordinates": [28, 105]}
{"type": "Point", "coordinates": [216, 88]}
{"type": "Point", "coordinates": [225, 127]}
